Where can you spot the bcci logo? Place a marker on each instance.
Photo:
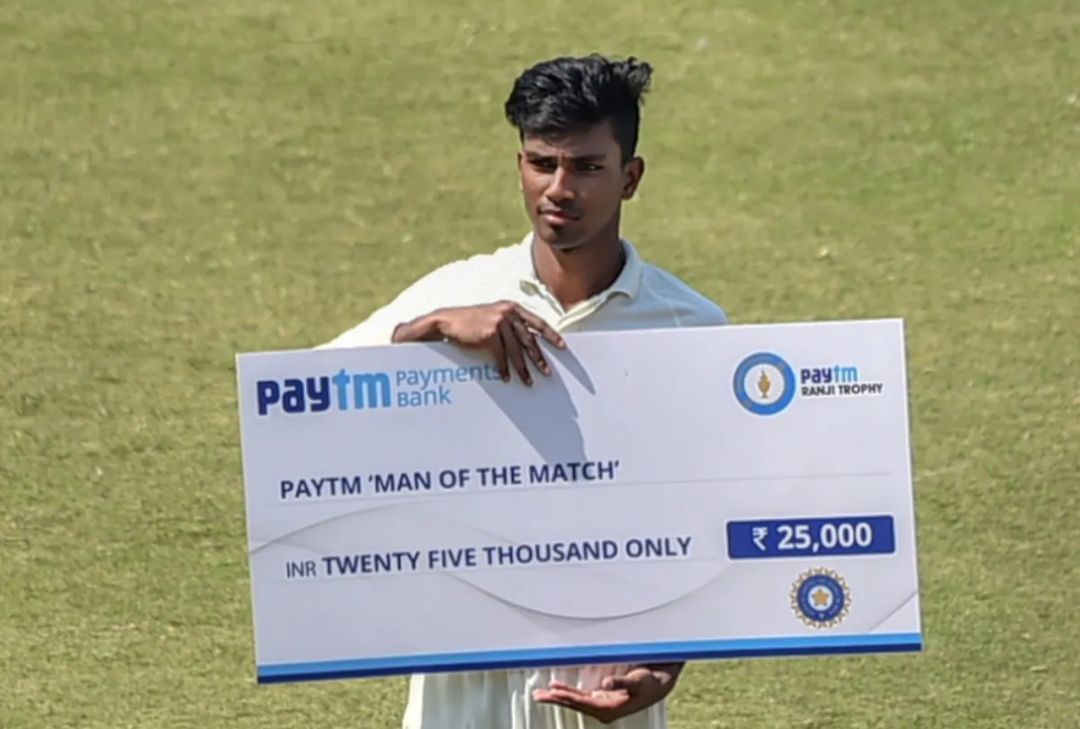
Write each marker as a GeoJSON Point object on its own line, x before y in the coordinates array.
{"type": "Point", "coordinates": [764, 383]}
{"type": "Point", "coordinates": [820, 598]}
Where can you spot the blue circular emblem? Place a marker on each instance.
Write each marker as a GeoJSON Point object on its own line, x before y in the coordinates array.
{"type": "Point", "coordinates": [821, 598]}
{"type": "Point", "coordinates": [764, 383]}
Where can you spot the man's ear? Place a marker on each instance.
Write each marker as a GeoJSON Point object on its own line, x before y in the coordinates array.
{"type": "Point", "coordinates": [633, 171]}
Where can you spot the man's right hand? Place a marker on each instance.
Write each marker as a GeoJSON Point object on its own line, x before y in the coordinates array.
{"type": "Point", "coordinates": [506, 330]}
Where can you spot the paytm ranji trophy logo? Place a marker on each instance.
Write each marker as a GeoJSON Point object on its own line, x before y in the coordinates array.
{"type": "Point", "coordinates": [764, 383]}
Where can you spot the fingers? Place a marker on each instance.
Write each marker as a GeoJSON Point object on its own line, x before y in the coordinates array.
{"type": "Point", "coordinates": [514, 351]}
{"type": "Point", "coordinates": [513, 341]}
{"type": "Point", "coordinates": [604, 706]}
{"type": "Point", "coordinates": [498, 350]}
{"type": "Point", "coordinates": [546, 330]}
{"type": "Point", "coordinates": [528, 342]}
{"type": "Point", "coordinates": [570, 699]}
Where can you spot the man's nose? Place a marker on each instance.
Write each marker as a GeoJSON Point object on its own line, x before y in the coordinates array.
{"type": "Point", "coordinates": [561, 187]}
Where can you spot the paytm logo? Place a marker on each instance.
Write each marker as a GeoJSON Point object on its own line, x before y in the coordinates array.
{"type": "Point", "coordinates": [828, 375]}
{"type": "Point", "coordinates": [344, 391]}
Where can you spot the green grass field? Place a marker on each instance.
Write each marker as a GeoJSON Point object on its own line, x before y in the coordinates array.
{"type": "Point", "coordinates": [184, 180]}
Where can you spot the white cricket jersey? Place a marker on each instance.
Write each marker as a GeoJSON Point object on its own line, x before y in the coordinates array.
{"type": "Point", "coordinates": [642, 297]}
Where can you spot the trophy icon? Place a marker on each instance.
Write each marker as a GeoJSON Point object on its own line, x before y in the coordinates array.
{"type": "Point", "coordinates": [764, 384]}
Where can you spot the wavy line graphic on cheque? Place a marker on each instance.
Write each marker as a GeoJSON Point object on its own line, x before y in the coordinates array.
{"type": "Point", "coordinates": [577, 613]}
{"type": "Point", "coordinates": [614, 590]}
{"type": "Point", "coordinates": [287, 537]}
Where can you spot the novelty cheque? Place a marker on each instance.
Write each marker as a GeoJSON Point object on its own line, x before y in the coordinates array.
{"type": "Point", "coordinates": [662, 495]}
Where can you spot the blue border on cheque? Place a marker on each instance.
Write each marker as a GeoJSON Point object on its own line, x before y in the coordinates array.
{"type": "Point", "coordinates": [487, 660]}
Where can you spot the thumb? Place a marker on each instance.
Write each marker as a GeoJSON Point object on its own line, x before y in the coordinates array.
{"type": "Point", "coordinates": [629, 682]}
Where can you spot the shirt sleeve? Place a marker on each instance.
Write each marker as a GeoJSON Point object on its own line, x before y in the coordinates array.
{"type": "Point", "coordinates": [431, 292]}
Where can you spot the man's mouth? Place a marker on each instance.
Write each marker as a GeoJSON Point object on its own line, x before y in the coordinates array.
{"type": "Point", "coordinates": [558, 215]}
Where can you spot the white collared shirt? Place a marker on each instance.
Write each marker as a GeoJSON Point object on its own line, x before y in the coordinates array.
{"type": "Point", "coordinates": [642, 297]}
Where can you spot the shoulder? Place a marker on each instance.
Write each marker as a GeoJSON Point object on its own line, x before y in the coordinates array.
{"type": "Point", "coordinates": [471, 270]}
{"type": "Point", "coordinates": [457, 283]}
{"type": "Point", "coordinates": [672, 291]}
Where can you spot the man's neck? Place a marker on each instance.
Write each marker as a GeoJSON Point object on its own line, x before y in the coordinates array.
{"type": "Point", "coordinates": [579, 274]}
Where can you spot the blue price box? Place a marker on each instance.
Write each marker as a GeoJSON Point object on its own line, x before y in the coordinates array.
{"type": "Point", "coordinates": [830, 536]}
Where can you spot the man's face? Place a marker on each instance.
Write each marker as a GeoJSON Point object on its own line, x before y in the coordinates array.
{"type": "Point", "coordinates": [573, 184]}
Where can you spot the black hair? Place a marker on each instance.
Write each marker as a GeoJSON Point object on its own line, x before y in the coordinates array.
{"type": "Point", "coordinates": [570, 94]}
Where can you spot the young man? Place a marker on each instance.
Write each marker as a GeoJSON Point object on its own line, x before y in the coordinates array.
{"type": "Point", "coordinates": [578, 121]}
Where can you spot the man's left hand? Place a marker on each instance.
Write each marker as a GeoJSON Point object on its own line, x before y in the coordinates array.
{"type": "Point", "coordinates": [618, 696]}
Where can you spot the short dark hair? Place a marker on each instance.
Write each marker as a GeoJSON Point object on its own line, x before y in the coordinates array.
{"type": "Point", "coordinates": [569, 94]}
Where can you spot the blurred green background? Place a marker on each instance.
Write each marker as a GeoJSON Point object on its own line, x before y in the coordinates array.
{"type": "Point", "coordinates": [184, 180]}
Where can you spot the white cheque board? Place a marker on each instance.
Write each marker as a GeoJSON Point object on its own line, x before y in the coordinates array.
{"type": "Point", "coordinates": [675, 494]}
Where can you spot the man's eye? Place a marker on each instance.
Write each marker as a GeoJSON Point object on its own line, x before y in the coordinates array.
{"type": "Point", "coordinates": [590, 167]}
{"type": "Point", "coordinates": [543, 165]}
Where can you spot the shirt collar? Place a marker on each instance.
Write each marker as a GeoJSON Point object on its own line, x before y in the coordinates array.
{"type": "Point", "coordinates": [628, 281]}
